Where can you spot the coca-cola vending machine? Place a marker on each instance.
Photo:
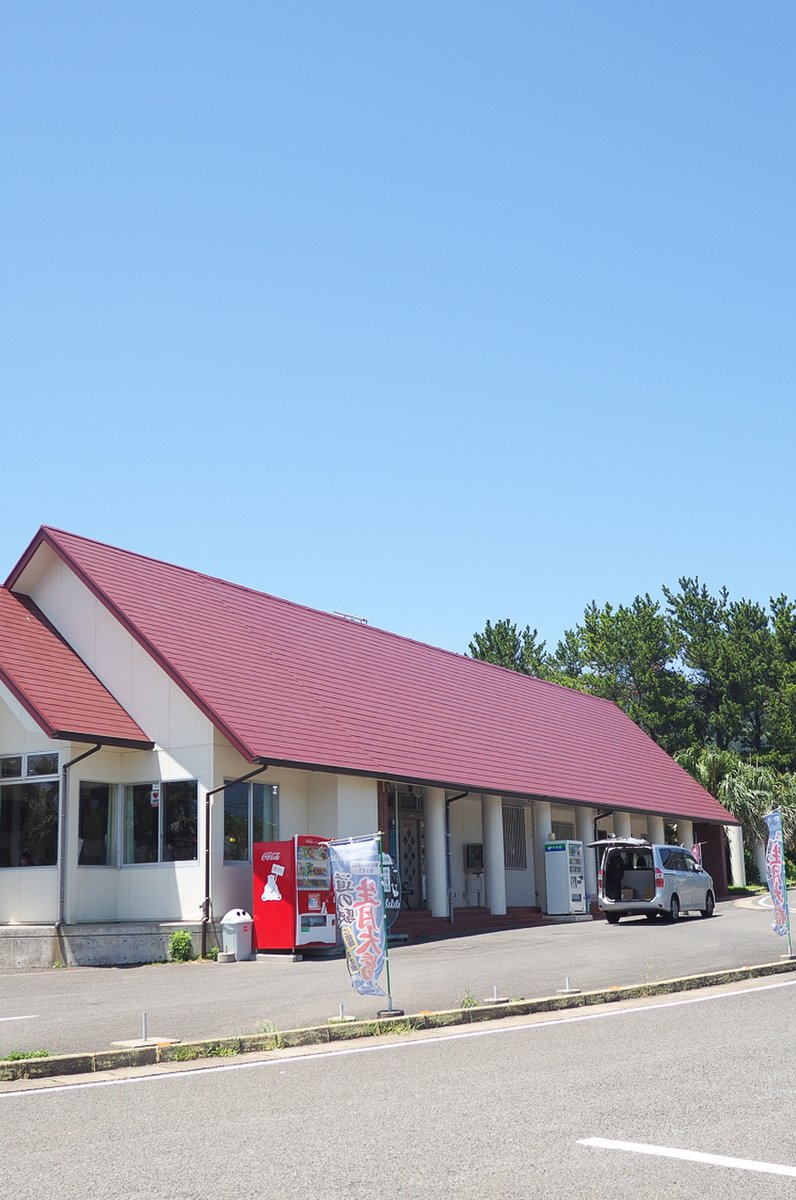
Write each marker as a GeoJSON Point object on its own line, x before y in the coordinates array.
{"type": "Point", "coordinates": [293, 901]}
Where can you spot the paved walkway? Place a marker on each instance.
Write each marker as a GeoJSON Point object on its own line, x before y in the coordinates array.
{"type": "Point", "coordinates": [86, 1009]}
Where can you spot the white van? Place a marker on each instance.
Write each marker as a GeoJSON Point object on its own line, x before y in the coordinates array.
{"type": "Point", "coordinates": [641, 878]}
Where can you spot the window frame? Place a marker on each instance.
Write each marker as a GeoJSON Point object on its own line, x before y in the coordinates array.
{"type": "Point", "coordinates": [250, 785]}
{"type": "Point", "coordinates": [160, 860]}
{"type": "Point", "coordinates": [114, 824]}
{"type": "Point", "coordinates": [27, 780]}
{"type": "Point", "coordinates": [26, 775]}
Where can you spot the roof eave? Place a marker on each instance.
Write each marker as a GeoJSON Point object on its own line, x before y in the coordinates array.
{"type": "Point", "coordinates": [120, 743]}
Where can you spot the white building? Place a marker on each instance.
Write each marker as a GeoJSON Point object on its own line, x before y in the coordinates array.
{"type": "Point", "coordinates": [155, 722]}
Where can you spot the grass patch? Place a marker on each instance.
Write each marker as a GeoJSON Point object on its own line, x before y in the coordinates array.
{"type": "Point", "coordinates": [190, 1053]}
{"type": "Point", "coordinates": [20, 1055]}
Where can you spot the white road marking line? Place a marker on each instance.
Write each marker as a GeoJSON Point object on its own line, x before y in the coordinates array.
{"type": "Point", "coordinates": [317, 1055]}
{"type": "Point", "coordinates": [29, 1017]}
{"type": "Point", "coordinates": [712, 1160]}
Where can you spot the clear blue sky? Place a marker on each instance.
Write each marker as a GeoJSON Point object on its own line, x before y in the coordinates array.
{"type": "Point", "coordinates": [426, 312]}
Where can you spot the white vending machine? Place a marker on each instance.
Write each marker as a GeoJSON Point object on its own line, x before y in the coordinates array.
{"type": "Point", "coordinates": [565, 877]}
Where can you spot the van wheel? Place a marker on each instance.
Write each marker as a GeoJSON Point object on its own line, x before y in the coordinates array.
{"type": "Point", "coordinates": [674, 910]}
{"type": "Point", "coordinates": [710, 905]}
{"type": "Point", "coordinates": [612, 918]}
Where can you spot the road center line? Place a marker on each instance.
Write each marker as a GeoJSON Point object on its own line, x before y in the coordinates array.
{"type": "Point", "coordinates": [712, 1160]}
{"type": "Point", "coordinates": [28, 1017]}
{"type": "Point", "coordinates": [321, 1054]}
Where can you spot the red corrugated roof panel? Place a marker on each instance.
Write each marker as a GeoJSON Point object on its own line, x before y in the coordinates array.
{"type": "Point", "coordinates": [295, 685]}
{"type": "Point", "coordinates": [53, 684]}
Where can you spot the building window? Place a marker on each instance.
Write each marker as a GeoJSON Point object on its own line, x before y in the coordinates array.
{"type": "Point", "coordinates": [28, 766]}
{"type": "Point", "coordinates": [160, 822]}
{"type": "Point", "coordinates": [514, 853]}
{"type": "Point", "coordinates": [29, 810]}
{"type": "Point", "coordinates": [11, 766]}
{"type": "Point", "coordinates": [251, 814]}
{"type": "Point", "coordinates": [29, 824]}
{"type": "Point", "coordinates": [42, 764]}
{"type": "Point", "coordinates": [97, 825]}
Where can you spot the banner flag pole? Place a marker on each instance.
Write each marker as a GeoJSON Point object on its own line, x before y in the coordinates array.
{"type": "Point", "coordinates": [389, 1011]}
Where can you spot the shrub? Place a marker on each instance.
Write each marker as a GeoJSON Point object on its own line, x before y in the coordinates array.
{"type": "Point", "coordinates": [180, 946]}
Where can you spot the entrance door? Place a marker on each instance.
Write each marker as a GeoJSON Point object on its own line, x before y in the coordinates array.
{"type": "Point", "coordinates": [411, 862]}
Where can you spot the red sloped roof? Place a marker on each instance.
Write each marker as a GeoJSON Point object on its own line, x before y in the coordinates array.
{"type": "Point", "coordinates": [53, 684]}
{"type": "Point", "coordinates": [297, 686]}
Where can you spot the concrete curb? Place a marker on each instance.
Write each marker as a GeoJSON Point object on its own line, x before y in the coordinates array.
{"type": "Point", "coordinates": [318, 1035]}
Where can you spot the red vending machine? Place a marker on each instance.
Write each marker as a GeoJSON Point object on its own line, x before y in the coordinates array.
{"type": "Point", "coordinates": [293, 902]}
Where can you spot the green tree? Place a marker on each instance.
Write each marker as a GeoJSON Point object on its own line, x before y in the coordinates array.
{"type": "Point", "coordinates": [728, 650]}
{"type": "Point", "coordinates": [629, 654]}
{"type": "Point", "coordinates": [782, 704]}
{"type": "Point", "coordinates": [507, 646]}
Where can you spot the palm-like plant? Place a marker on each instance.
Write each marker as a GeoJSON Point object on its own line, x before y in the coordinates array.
{"type": "Point", "coordinates": [746, 790]}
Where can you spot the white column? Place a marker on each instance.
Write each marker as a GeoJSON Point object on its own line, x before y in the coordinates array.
{"type": "Point", "coordinates": [542, 821]}
{"type": "Point", "coordinates": [685, 832]}
{"type": "Point", "coordinates": [622, 824]}
{"type": "Point", "coordinates": [655, 830]}
{"type": "Point", "coordinates": [585, 831]}
{"type": "Point", "coordinates": [494, 858]}
{"type": "Point", "coordinates": [436, 857]}
{"type": "Point", "coordinates": [737, 864]}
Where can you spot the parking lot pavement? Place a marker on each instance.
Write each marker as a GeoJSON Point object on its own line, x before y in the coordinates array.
{"type": "Point", "coordinates": [79, 1009]}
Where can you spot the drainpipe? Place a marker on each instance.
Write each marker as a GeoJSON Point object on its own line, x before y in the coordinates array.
{"type": "Point", "coordinates": [62, 806]}
{"type": "Point", "coordinates": [207, 903]}
{"type": "Point", "coordinates": [448, 871]}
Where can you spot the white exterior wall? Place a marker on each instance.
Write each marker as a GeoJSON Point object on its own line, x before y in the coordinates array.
{"type": "Point", "coordinates": [638, 826]}
{"type": "Point", "coordinates": [341, 805]}
{"type": "Point", "coordinates": [465, 828]}
{"type": "Point", "coordinates": [184, 750]}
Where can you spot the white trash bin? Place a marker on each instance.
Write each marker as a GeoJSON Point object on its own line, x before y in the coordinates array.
{"type": "Point", "coordinates": [236, 934]}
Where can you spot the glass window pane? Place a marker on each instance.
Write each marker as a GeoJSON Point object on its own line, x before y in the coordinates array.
{"type": "Point", "coordinates": [11, 767]}
{"type": "Point", "coordinates": [140, 824]}
{"type": "Point", "coordinates": [236, 823]}
{"type": "Point", "coordinates": [42, 764]}
{"type": "Point", "coordinates": [179, 821]}
{"type": "Point", "coordinates": [265, 809]}
{"type": "Point", "coordinates": [97, 827]}
{"type": "Point", "coordinates": [29, 825]}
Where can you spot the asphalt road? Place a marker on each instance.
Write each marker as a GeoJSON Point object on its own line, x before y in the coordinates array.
{"type": "Point", "coordinates": [78, 1009]}
{"type": "Point", "coordinates": [498, 1111]}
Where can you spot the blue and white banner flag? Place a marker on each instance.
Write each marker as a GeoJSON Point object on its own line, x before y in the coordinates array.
{"type": "Point", "coordinates": [359, 897]}
{"type": "Point", "coordinates": [775, 873]}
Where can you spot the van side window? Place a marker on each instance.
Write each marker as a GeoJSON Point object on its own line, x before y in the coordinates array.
{"type": "Point", "coordinates": [665, 855]}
